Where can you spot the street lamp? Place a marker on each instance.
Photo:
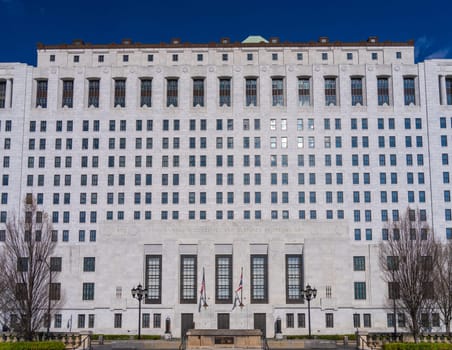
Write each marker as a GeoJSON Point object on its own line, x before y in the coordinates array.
{"type": "Point", "coordinates": [309, 294]}
{"type": "Point", "coordinates": [139, 293]}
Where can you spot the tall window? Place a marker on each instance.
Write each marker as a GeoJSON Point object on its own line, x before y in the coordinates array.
{"type": "Point", "coordinates": [120, 93]}
{"type": "Point", "coordinates": [259, 279]}
{"type": "Point", "coordinates": [251, 91]}
{"type": "Point", "coordinates": [223, 279]}
{"type": "Point", "coordinates": [88, 291]}
{"type": "Point", "coordinates": [383, 91]}
{"type": "Point", "coordinates": [277, 92]}
{"type": "Point", "coordinates": [154, 279]}
{"type": "Point", "coordinates": [171, 92]}
{"type": "Point", "coordinates": [225, 92]}
{"type": "Point", "coordinates": [41, 93]}
{"type": "Point", "coordinates": [294, 278]}
{"type": "Point", "coordinates": [448, 91]}
{"type": "Point", "coordinates": [357, 91]}
{"type": "Point", "coordinates": [93, 92]}
{"type": "Point", "coordinates": [188, 278]}
{"type": "Point", "coordinates": [55, 291]}
{"type": "Point", "coordinates": [360, 290]}
{"type": "Point", "coordinates": [330, 91]}
{"type": "Point", "coordinates": [409, 91]}
{"type": "Point", "coordinates": [2, 93]}
{"type": "Point", "coordinates": [198, 92]}
{"type": "Point", "coordinates": [329, 320]}
{"type": "Point", "coordinates": [118, 321]}
{"type": "Point", "coordinates": [304, 92]}
{"type": "Point", "coordinates": [146, 93]}
{"type": "Point", "coordinates": [68, 93]}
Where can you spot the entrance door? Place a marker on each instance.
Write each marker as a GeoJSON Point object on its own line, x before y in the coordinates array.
{"type": "Point", "coordinates": [186, 323]}
{"type": "Point", "coordinates": [223, 321]}
{"type": "Point", "coordinates": [260, 322]}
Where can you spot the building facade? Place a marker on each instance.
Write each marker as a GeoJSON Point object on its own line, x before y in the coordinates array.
{"type": "Point", "coordinates": [279, 162]}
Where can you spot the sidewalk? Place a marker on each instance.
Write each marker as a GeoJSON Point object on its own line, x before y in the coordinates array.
{"type": "Point", "coordinates": [285, 344]}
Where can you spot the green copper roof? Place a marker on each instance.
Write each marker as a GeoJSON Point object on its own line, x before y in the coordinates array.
{"type": "Point", "coordinates": [254, 39]}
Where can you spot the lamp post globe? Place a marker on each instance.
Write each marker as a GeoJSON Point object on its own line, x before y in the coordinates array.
{"type": "Point", "coordinates": [309, 294]}
{"type": "Point", "coordinates": [139, 293]}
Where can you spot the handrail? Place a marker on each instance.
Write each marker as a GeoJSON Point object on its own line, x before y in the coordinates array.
{"type": "Point", "coordinates": [183, 345]}
{"type": "Point", "coordinates": [264, 343]}
{"type": "Point", "coordinates": [364, 341]}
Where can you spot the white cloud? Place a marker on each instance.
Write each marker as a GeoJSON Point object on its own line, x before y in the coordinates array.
{"type": "Point", "coordinates": [441, 53]}
{"type": "Point", "coordinates": [421, 45]}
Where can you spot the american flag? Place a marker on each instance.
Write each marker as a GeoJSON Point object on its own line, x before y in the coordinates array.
{"type": "Point", "coordinates": [239, 288]}
{"type": "Point", "coordinates": [237, 298]}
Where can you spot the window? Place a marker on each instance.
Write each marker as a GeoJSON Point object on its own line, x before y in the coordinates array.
{"type": "Point", "coordinates": [360, 290]}
{"type": "Point", "coordinates": [188, 278]}
{"type": "Point", "coordinates": [146, 93]}
{"type": "Point", "coordinates": [154, 279]}
{"type": "Point", "coordinates": [356, 320]}
{"type": "Point", "coordinates": [41, 93]}
{"type": "Point", "coordinates": [259, 279]}
{"type": "Point", "coordinates": [172, 92]}
{"type": "Point", "coordinates": [120, 93]}
{"type": "Point", "coordinates": [55, 291]}
{"type": "Point", "coordinates": [393, 290]}
{"type": "Point", "coordinates": [198, 92]}
{"type": "Point", "coordinates": [301, 320]}
{"type": "Point", "coordinates": [383, 91]}
{"type": "Point", "coordinates": [81, 321]}
{"type": "Point", "coordinates": [55, 264]}
{"type": "Point", "coordinates": [304, 92]}
{"type": "Point", "coordinates": [449, 91]}
{"type": "Point", "coordinates": [157, 321]}
{"type": "Point", "coordinates": [117, 320]}
{"type": "Point", "coordinates": [277, 92]}
{"type": "Point", "coordinates": [93, 92]}
{"type": "Point", "coordinates": [88, 291]}
{"type": "Point", "coordinates": [294, 278]}
{"type": "Point", "coordinates": [225, 92]}
{"type": "Point", "coordinates": [329, 320]}
{"type": "Point", "coordinates": [357, 91]}
{"type": "Point", "coordinates": [251, 92]}
{"type": "Point", "coordinates": [68, 93]}
{"type": "Point", "coordinates": [330, 91]}
{"type": "Point", "coordinates": [223, 279]}
{"type": "Point", "coordinates": [359, 263]}
{"type": "Point", "coordinates": [409, 91]}
{"type": "Point", "coordinates": [89, 264]}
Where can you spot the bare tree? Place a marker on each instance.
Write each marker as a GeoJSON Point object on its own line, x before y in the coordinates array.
{"type": "Point", "coordinates": [26, 270]}
{"type": "Point", "coordinates": [443, 287]}
{"type": "Point", "coordinates": [406, 261]}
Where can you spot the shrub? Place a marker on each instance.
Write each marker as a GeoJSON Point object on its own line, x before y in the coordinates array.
{"type": "Point", "coordinates": [337, 337]}
{"type": "Point", "coordinates": [418, 346]}
{"type": "Point", "coordinates": [124, 337]}
{"type": "Point", "coordinates": [35, 345]}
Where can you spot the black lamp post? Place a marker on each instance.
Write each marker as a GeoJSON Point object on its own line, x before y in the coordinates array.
{"type": "Point", "coordinates": [309, 294]}
{"type": "Point", "coordinates": [139, 293]}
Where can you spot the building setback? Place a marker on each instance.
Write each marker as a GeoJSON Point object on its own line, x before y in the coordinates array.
{"type": "Point", "coordinates": [159, 164]}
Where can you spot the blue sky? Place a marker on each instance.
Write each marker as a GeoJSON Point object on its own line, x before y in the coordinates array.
{"type": "Point", "coordinates": [27, 22]}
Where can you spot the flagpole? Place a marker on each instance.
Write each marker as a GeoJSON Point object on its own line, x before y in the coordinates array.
{"type": "Point", "coordinates": [241, 289]}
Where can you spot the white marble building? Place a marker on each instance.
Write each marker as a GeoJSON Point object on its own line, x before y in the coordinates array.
{"type": "Point", "coordinates": [158, 161]}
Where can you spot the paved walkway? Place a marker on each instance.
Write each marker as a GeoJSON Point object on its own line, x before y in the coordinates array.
{"type": "Point", "coordinates": [174, 345]}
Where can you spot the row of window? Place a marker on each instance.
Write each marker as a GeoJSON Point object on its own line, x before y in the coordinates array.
{"type": "Point", "coordinates": [228, 124]}
{"type": "Point", "coordinates": [223, 279]}
{"type": "Point", "coordinates": [174, 57]}
{"type": "Point", "coordinates": [251, 86]}
{"type": "Point", "coordinates": [384, 178]}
